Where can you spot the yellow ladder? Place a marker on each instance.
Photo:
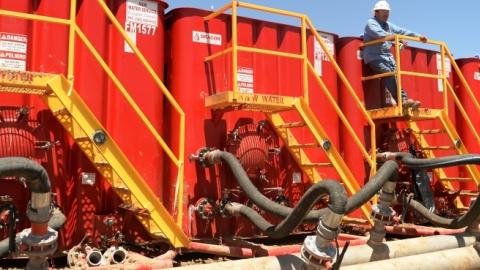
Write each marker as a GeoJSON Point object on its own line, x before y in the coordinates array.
{"type": "Point", "coordinates": [70, 110]}
{"type": "Point", "coordinates": [447, 128]}
{"type": "Point", "coordinates": [273, 107]}
{"type": "Point", "coordinates": [456, 144]}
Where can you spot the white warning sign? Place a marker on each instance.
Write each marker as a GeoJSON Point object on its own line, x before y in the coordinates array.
{"type": "Point", "coordinates": [206, 38]}
{"type": "Point", "coordinates": [448, 65]}
{"type": "Point", "coordinates": [476, 76]}
{"type": "Point", "coordinates": [13, 51]}
{"type": "Point", "coordinates": [245, 80]}
{"type": "Point", "coordinates": [319, 55]}
{"type": "Point", "coordinates": [141, 18]}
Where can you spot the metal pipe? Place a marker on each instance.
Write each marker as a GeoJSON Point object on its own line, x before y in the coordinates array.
{"type": "Point", "coordinates": [407, 247]}
{"type": "Point", "coordinates": [465, 258]}
{"type": "Point", "coordinates": [237, 252]}
{"type": "Point", "coordinates": [94, 257]}
{"type": "Point", "coordinates": [353, 255]}
{"type": "Point", "coordinates": [115, 255]}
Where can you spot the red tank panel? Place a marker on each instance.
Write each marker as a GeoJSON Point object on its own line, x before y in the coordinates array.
{"type": "Point", "coordinates": [189, 41]}
{"type": "Point", "coordinates": [470, 68]}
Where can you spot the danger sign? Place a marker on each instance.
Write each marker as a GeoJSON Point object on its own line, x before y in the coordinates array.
{"type": "Point", "coordinates": [13, 51]}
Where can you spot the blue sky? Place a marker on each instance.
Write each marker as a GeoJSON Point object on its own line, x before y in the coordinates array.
{"type": "Point", "coordinates": [455, 22]}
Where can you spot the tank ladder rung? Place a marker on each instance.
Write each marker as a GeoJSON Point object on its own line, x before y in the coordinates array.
{"type": "Point", "coordinates": [291, 125]}
{"type": "Point", "coordinates": [457, 179]}
{"type": "Point", "coordinates": [468, 193]}
{"type": "Point", "coordinates": [429, 131]}
{"type": "Point", "coordinates": [441, 147]}
{"type": "Point", "coordinates": [305, 145]}
{"type": "Point", "coordinates": [313, 165]}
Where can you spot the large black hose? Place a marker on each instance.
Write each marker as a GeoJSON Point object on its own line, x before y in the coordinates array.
{"type": "Point", "coordinates": [466, 219]}
{"type": "Point", "coordinates": [34, 173]}
{"type": "Point", "coordinates": [338, 202]}
{"type": "Point", "coordinates": [386, 172]}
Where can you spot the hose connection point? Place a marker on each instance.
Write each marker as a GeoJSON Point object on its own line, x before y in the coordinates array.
{"type": "Point", "coordinates": [204, 157]}
{"type": "Point", "coordinates": [206, 208]}
{"type": "Point", "coordinates": [383, 214]}
{"type": "Point", "coordinates": [385, 156]}
{"type": "Point", "coordinates": [315, 256]}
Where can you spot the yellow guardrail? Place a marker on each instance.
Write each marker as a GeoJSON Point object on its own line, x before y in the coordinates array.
{"type": "Point", "coordinates": [179, 158]}
{"type": "Point", "coordinates": [444, 54]}
{"type": "Point", "coordinates": [306, 24]}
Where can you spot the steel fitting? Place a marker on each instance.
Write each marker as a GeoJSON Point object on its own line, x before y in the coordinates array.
{"type": "Point", "coordinates": [39, 245]}
{"type": "Point", "coordinates": [115, 255]}
{"type": "Point", "coordinates": [315, 256]}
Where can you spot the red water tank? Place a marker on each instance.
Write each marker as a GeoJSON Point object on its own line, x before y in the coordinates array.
{"type": "Point", "coordinates": [470, 68]}
{"type": "Point", "coordinates": [189, 41]}
{"type": "Point", "coordinates": [348, 57]}
{"type": "Point", "coordinates": [430, 92]}
{"type": "Point", "coordinates": [144, 22]}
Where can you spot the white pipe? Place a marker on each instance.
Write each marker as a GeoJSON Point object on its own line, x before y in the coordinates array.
{"type": "Point", "coordinates": [465, 258]}
{"type": "Point", "coordinates": [353, 255]}
{"type": "Point", "coordinates": [407, 247]}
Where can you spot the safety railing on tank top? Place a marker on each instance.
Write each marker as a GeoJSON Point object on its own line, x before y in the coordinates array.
{"type": "Point", "coordinates": [308, 68]}
{"type": "Point", "coordinates": [443, 76]}
{"type": "Point", "coordinates": [74, 29]}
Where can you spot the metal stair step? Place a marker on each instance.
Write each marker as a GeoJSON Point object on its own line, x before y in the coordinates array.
{"type": "Point", "coordinates": [313, 165]}
{"type": "Point", "coordinates": [442, 147]}
{"type": "Point", "coordinates": [468, 193]}
{"type": "Point", "coordinates": [291, 125]}
{"type": "Point", "coordinates": [135, 209]}
{"type": "Point", "coordinates": [457, 179]}
{"type": "Point", "coordinates": [305, 145]}
{"type": "Point", "coordinates": [429, 131]}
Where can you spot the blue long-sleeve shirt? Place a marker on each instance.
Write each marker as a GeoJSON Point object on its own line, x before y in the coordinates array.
{"type": "Point", "coordinates": [376, 29]}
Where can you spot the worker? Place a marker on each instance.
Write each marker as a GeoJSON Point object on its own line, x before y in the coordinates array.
{"type": "Point", "coordinates": [379, 56]}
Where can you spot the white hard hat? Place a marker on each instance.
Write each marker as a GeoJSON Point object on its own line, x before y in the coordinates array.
{"type": "Point", "coordinates": [381, 5]}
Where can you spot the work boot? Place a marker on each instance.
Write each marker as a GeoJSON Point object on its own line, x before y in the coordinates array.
{"type": "Point", "coordinates": [410, 103]}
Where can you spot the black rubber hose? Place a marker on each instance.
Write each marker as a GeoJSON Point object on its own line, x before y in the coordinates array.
{"type": "Point", "coordinates": [466, 219]}
{"type": "Point", "coordinates": [338, 202]}
{"type": "Point", "coordinates": [451, 223]}
{"type": "Point", "coordinates": [34, 173]}
{"type": "Point", "coordinates": [386, 172]}
{"type": "Point", "coordinates": [56, 222]}
{"type": "Point", "coordinates": [449, 161]}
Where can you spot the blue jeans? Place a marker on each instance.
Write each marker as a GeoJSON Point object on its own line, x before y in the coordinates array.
{"type": "Point", "coordinates": [382, 66]}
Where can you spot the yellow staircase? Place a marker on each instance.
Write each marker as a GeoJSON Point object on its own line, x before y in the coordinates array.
{"type": "Point", "coordinates": [70, 110]}
{"type": "Point", "coordinates": [274, 106]}
{"type": "Point", "coordinates": [68, 107]}
{"type": "Point", "coordinates": [441, 116]}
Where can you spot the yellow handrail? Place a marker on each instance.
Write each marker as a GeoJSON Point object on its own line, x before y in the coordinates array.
{"type": "Point", "coordinates": [307, 67]}
{"type": "Point", "coordinates": [178, 159]}
{"type": "Point", "coordinates": [444, 54]}
{"type": "Point", "coordinates": [462, 111]}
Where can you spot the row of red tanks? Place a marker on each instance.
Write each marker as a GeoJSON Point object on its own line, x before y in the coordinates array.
{"type": "Point", "coordinates": [176, 45]}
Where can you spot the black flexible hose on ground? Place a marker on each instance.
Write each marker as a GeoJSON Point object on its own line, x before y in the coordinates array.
{"type": "Point", "coordinates": [466, 219]}
{"type": "Point", "coordinates": [386, 172]}
{"type": "Point", "coordinates": [338, 202]}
